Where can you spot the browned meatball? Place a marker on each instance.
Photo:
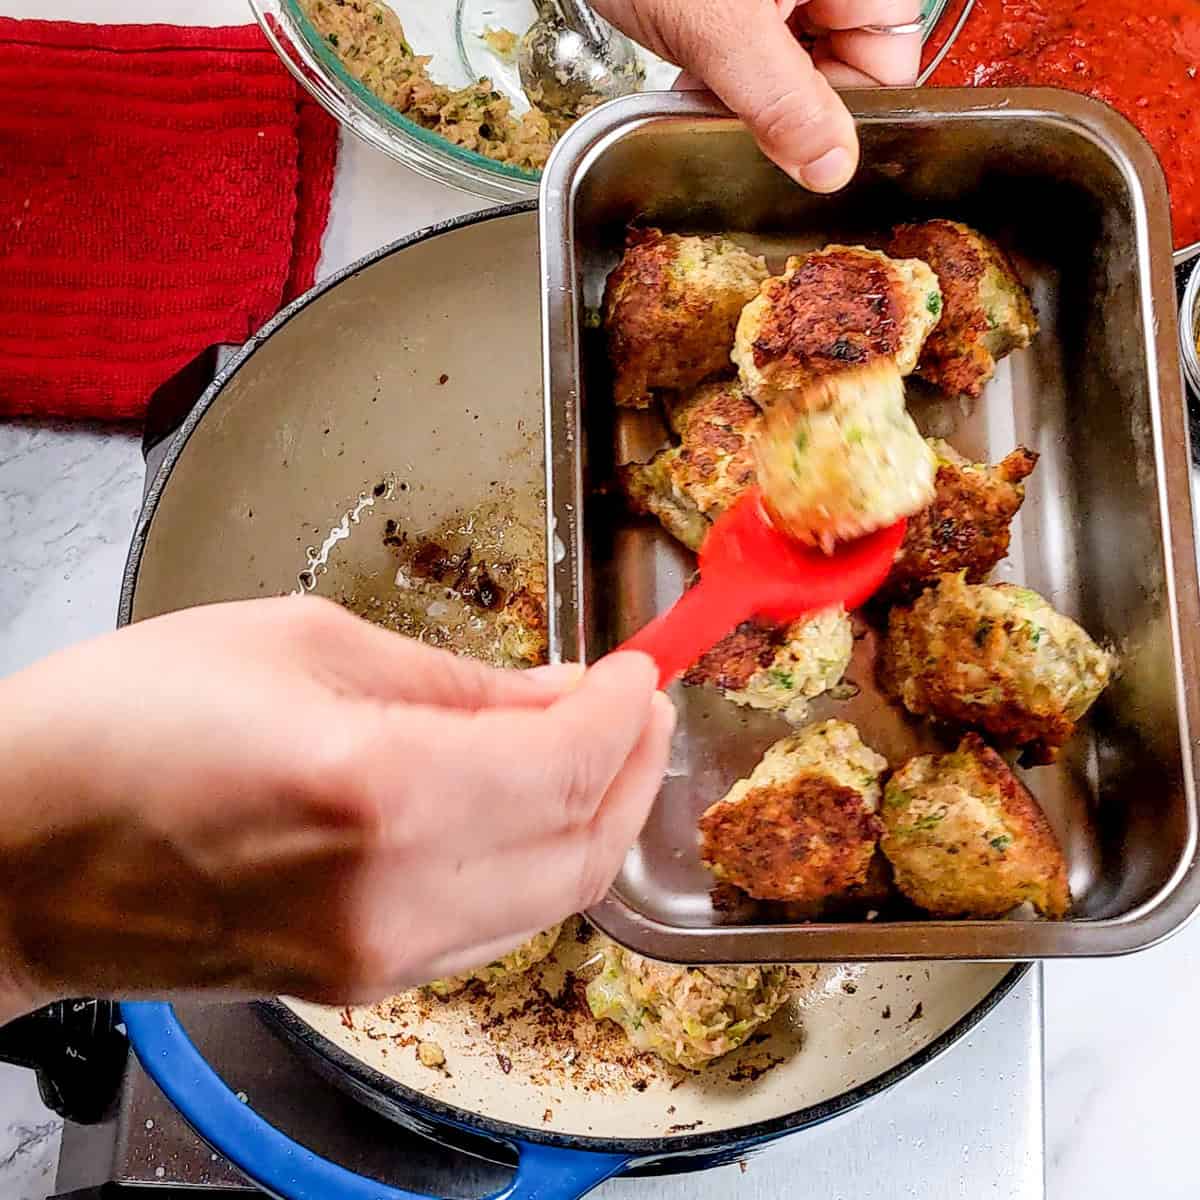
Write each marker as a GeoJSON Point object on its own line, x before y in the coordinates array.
{"type": "Point", "coordinates": [804, 825]}
{"type": "Point", "coordinates": [524, 629]}
{"type": "Point", "coordinates": [995, 657]}
{"type": "Point", "coordinates": [840, 307]}
{"type": "Point", "coordinates": [966, 839]}
{"type": "Point", "coordinates": [671, 307]}
{"type": "Point", "coordinates": [986, 311]}
{"type": "Point", "coordinates": [966, 528]}
{"type": "Point", "coordinates": [689, 485]}
{"type": "Point", "coordinates": [779, 668]}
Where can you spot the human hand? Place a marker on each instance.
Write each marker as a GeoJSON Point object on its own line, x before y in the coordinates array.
{"type": "Point", "coordinates": [275, 797]}
{"type": "Point", "coordinates": [747, 53]}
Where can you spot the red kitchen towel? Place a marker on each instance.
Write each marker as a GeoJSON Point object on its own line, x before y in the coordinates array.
{"type": "Point", "coordinates": [161, 190]}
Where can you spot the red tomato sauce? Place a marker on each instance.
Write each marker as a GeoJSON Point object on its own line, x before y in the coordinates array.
{"type": "Point", "coordinates": [1142, 57]}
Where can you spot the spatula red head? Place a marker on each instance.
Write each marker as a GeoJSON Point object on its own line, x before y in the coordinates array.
{"type": "Point", "coordinates": [749, 569]}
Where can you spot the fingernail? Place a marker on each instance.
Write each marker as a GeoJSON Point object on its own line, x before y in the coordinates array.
{"type": "Point", "coordinates": [828, 173]}
{"type": "Point", "coordinates": [663, 703]}
{"type": "Point", "coordinates": [563, 674]}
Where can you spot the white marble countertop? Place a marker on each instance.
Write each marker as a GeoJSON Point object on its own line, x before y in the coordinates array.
{"type": "Point", "coordinates": [1121, 1035]}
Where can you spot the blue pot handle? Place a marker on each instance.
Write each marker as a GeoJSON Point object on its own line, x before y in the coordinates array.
{"type": "Point", "coordinates": [285, 1169]}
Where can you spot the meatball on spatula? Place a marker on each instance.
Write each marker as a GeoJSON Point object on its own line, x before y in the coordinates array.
{"type": "Point", "coordinates": [757, 561]}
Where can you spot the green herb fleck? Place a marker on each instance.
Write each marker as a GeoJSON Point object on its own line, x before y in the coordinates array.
{"type": "Point", "coordinates": [1000, 843]}
{"type": "Point", "coordinates": [983, 631]}
{"type": "Point", "coordinates": [933, 303]}
{"type": "Point", "coordinates": [1033, 632]}
{"type": "Point", "coordinates": [897, 797]}
{"type": "Point", "coordinates": [854, 436]}
{"type": "Point", "coordinates": [781, 677]}
{"type": "Point", "coordinates": [333, 39]}
{"type": "Point", "coordinates": [926, 822]}
{"type": "Point", "coordinates": [800, 441]}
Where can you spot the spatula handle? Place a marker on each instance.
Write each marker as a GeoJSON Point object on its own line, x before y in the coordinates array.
{"type": "Point", "coordinates": [682, 635]}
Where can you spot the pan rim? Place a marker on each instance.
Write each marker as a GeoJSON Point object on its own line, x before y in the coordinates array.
{"type": "Point", "coordinates": [297, 1031]}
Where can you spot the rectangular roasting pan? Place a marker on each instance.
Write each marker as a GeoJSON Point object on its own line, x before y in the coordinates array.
{"type": "Point", "coordinates": [1106, 533]}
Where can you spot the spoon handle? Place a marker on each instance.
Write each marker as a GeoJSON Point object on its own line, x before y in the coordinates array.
{"type": "Point", "coordinates": [579, 16]}
{"type": "Point", "coordinates": [699, 619]}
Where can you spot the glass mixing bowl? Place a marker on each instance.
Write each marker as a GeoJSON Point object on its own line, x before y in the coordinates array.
{"type": "Point", "coordinates": [452, 34]}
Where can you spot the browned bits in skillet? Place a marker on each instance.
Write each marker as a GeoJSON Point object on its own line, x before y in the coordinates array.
{"type": "Point", "coordinates": [469, 579]}
{"type": "Point", "coordinates": [966, 528]}
{"type": "Point", "coordinates": [524, 627]}
{"type": "Point", "coordinates": [670, 308]}
{"type": "Point", "coordinates": [536, 1026]}
{"type": "Point", "coordinates": [967, 839]}
{"type": "Point", "coordinates": [986, 310]}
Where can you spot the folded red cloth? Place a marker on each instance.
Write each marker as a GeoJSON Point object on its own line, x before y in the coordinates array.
{"type": "Point", "coordinates": [161, 190]}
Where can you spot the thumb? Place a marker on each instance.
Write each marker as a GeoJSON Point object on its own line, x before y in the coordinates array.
{"type": "Point", "coordinates": [747, 55]}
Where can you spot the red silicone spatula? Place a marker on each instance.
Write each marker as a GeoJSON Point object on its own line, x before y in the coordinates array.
{"type": "Point", "coordinates": [748, 568]}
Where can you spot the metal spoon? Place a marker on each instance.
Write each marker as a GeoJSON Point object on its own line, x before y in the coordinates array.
{"type": "Point", "coordinates": [570, 59]}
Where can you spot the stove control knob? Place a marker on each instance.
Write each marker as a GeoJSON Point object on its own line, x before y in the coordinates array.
{"type": "Point", "coordinates": [79, 1051]}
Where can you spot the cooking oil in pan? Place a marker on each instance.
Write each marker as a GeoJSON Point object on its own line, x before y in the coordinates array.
{"type": "Point", "coordinates": [318, 557]}
{"type": "Point", "coordinates": [473, 582]}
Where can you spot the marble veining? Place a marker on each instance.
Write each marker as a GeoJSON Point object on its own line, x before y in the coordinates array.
{"type": "Point", "coordinates": [29, 1138]}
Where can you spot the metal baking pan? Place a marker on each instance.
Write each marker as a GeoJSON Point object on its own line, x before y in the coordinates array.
{"type": "Point", "coordinates": [1189, 326]}
{"type": "Point", "coordinates": [1106, 534]}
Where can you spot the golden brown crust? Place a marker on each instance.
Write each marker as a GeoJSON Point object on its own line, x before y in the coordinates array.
{"type": "Point", "coordinates": [716, 431]}
{"type": "Point", "coordinates": [836, 309]}
{"type": "Point", "coordinates": [668, 329]}
{"type": "Point", "coordinates": [688, 485]}
{"type": "Point", "coordinates": [801, 840]}
{"type": "Point", "coordinates": [524, 628]}
{"type": "Point", "coordinates": [733, 661]}
{"type": "Point", "coordinates": [934, 664]}
{"type": "Point", "coordinates": [966, 528]}
{"type": "Point", "coordinates": [981, 845]}
{"type": "Point", "coordinates": [956, 356]}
